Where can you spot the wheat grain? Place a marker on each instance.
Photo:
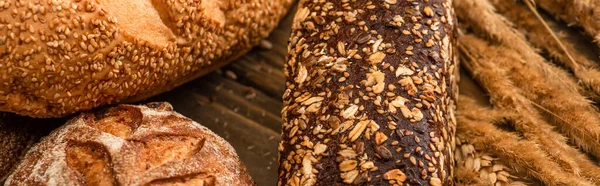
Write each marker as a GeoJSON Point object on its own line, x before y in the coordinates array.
{"type": "Point", "coordinates": [584, 68]}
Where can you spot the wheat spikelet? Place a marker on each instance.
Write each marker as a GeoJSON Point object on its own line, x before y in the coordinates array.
{"type": "Point", "coordinates": [481, 16]}
{"type": "Point", "coordinates": [586, 167]}
{"type": "Point", "coordinates": [572, 113]}
{"type": "Point", "coordinates": [584, 68]}
{"type": "Point", "coordinates": [583, 13]}
{"type": "Point", "coordinates": [520, 153]}
{"type": "Point", "coordinates": [590, 77]}
{"type": "Point", "coordinates": [505, 96]}
{"type": "Point", "coordinates": [520, 111]}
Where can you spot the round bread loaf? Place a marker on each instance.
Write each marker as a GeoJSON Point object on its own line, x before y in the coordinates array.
{"type": "Point", "coordinates": [60, 57]}
{"type": "Point", "coordinates": [131, 145]}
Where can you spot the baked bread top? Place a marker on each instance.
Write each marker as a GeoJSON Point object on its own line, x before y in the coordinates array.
{"type": "Point", "coordinates": [60, 57]}
{"type": "Point", "coordinates": [131, 145]}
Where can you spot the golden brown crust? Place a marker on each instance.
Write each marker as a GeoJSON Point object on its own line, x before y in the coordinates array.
{"type": "Point", "coordinates": [371, 87]}
{"type": "Point", "coordinates": [60, 57]}
{"type": "Point", "coordinates": [131, 145]}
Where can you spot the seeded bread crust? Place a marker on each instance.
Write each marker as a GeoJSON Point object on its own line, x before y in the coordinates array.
{"type": "Point", "coordinates": [131, 145]}
{"type": "Point", "coordinates": [371, 91]}
{"type": "Point", "coordinates": [60, 57]}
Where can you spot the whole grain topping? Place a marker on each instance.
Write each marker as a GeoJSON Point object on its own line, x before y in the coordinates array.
{"type": "Point", "coordinates": [379, 79]}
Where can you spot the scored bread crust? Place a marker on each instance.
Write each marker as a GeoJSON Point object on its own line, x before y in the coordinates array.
{"type": "Point", "coordinates": [60, 57]}
{"type": "Point", "coordinates": [370, 94]}
{"type": "Point", "coordinates": [131, 145]}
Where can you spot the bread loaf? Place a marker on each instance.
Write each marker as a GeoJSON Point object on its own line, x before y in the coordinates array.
{"type": "Point", "coordinates": [60, 57]}
{"type": "Point", "coordinates": [371, 90]}
{"type": "Point", "coordinates": [131, 145]}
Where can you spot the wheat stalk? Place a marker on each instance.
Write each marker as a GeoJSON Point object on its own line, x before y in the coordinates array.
{"type": "Point", "coordinates": [580, 122]}
{"type": "Point", "coordinates": [488, 69]}
{"type": "Point", "coordinates": [481, 16]}
{"type": "Point", "coordinates": [508, 98]}
{"type": "Point", "coordinates": [571, 112]}
{"type": "Point", "coordinates": [538, 31]}
{"type": "Point", "coordinates": [542, 82]}
{"type": "Point", "coordinates": [583, 13]}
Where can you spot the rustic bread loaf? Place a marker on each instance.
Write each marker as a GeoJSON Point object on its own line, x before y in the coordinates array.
{"type": "Point", "coordinates": [371, 90]}
{"type": "Point", "coordinates": [131, 145]}
{"type": "Point", "coordinates": [60, 57]}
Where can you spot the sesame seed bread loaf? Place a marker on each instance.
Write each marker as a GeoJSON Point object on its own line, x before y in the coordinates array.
{"type": "Point", "coordinates": [131, 145]}
{"type": "Point", "coordinates": [371, 90]}
{"type": "Point", "coordinates": [60, 57]}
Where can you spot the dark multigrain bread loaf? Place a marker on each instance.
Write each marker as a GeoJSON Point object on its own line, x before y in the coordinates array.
{"type": "Point", "coordinates": [371, 90]}
{"type": "Point", "coordinates": [60, 57]}
{"type": "Point", "coordinates": [131, 145]}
